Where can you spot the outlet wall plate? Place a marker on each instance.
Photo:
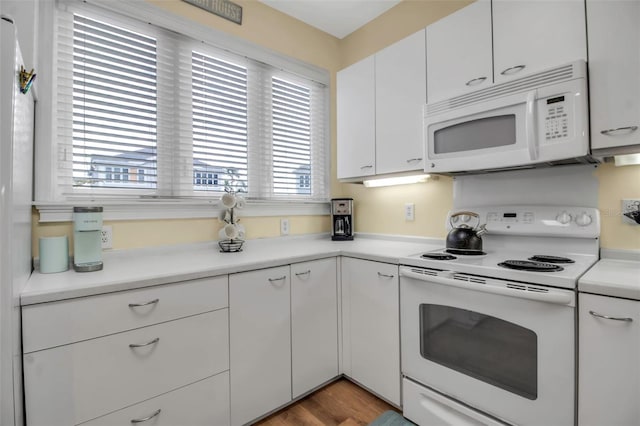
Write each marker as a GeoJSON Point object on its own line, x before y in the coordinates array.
{"type": "Point", "coordinates": [629, 206]}
{"type": "Point", "coordinates": [106, 237]}
{"type": "Point", "coordinates": [284, 226]}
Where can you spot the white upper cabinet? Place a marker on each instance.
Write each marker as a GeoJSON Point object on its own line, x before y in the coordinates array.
{"type": "Point", "coordinates": [400, 82]}
{"type": "Point", "coordinates": [614, 74]}
{"type": "Point", "coordinates": [493, 41]}
{"type": "Point", "coordinates": [533, 35]}
{"type": "Point", "coordinates": [459, 52]}
{"type": "Point", "coordinates": [379, 101]}
{"type": "Point", "coordinates": [356, 120]}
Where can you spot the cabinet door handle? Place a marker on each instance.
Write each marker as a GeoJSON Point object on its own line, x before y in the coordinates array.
{"type": "Point", "coordinates": [380, 274]}
{"type": "Point", "coordinates": [273, 280]}
{"type": "Point", "coordinates": [620, 130]}
{"type": "Point", "coordinates": [150, 302]}
{"type": "Point", "coordinates": [626, 319]}
{"type": "Point", "coordinates": [299, 274]}
{"type": "Point", "coordinates": [146, 418]}
{"type": "Point", "coordinates": [411, 160]}
{"type": "Point", "coordinates": [140, 345]}
{"type": "Point", "coordinates": [367, 166]}
{"type": "Point", "coordinates": [513, 70]}
{"type": "Point", "coordinates": [475, 81]}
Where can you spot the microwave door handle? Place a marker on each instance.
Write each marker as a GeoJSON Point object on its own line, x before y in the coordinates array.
{"type": "Point", "coordinates": [531, 122]}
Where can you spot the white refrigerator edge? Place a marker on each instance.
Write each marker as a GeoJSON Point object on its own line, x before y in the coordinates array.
{"type": "Point", "coordinates": [16, 189]}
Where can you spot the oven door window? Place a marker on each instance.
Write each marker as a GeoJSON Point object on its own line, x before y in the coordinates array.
{"type": "Point", "coordinates": [483, 133]}
{"type": "Point", "coordinates": [486, 348]}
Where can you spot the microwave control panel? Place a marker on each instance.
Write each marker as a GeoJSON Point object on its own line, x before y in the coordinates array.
{"type": "Point", "coordinates": [556, 119]}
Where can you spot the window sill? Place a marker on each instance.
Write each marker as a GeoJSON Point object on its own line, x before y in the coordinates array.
{"type": "Point", "coordinates": [179, 209]}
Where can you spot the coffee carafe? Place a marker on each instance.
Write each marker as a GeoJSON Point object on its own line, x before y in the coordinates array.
{"type": "Point", "coordinates": [342, 219]}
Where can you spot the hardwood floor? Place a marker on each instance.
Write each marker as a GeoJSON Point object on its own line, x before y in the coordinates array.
{"type": "Point", "coordinates": [340, 403]}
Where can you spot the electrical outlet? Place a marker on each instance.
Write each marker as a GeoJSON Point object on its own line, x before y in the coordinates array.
{"type": "Point", "coordinates": [409, 211]}
{"type": "Point", "coordinates": [106, 237]}
{"type": "Point", "coordinates": [284, 226]}
{"type": "Point", "coordinates": [630, 206]}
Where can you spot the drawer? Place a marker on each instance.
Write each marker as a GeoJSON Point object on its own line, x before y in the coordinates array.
{"type": "Point", "coordinates": [427, 407]}
{"type": "Point", "coordinates": [53, 324]}
{"type": "Point", "coordinates": [74, 383]}
{"type": "Point", "coordinates": [199, 404]}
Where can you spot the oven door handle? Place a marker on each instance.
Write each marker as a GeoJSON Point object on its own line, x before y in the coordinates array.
{"type": "Point", "coordinates": [551, 296]}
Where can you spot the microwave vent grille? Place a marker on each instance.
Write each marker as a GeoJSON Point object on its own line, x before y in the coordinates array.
{"type": "Point", "coordinates": [551, 76]}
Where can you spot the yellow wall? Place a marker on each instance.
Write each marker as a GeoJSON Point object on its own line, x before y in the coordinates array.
{"type": "Point", "coordinates": [378, 210]}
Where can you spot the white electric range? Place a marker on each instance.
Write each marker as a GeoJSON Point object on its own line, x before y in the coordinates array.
{"type": "Point", "coordinates": [484, 342]}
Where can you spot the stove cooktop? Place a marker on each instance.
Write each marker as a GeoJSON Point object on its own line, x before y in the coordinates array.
{"type": "Point", "coordinates": [517, 265]}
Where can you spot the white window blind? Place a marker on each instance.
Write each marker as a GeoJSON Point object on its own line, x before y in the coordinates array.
{"type": "Point", "coordinates": [147, 112]}
{"type": "Point", "coordinates": [220, 122]}
{"type": "Point", "coordinates": [114, 108]}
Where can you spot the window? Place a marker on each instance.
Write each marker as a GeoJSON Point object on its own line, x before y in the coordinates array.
{"type": "Point", "coordinates": [148, 112]}
{"type": "Point", "coordinates": [114, 100]}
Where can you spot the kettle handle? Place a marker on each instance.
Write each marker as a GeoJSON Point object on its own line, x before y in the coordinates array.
{"type": "Point", "coordinates": [472, 214]}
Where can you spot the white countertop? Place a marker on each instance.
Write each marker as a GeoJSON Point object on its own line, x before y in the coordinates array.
{"type": "Point", "coordinates": [613, 277]}
{"type": "Point", "coordinates": [129, 269]}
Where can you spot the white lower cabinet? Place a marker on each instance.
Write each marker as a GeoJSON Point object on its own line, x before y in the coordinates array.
{"type": "Point", "coordinates": [202, 403]}
{"type": "Point", "coordinates": [260, 329]}
{"type": "Point", "coordinates": [371, 325]}
{"type": "Point", "coordinates": [609, 361]}
{"type": "Point", "coordinates": [71, 384]}
{"type": "Point", "coordinates": [284, 340]}
{"type": "Point", "coordinates": [128, 354]}
{"type": "Point", "coordinates": [314, 324]}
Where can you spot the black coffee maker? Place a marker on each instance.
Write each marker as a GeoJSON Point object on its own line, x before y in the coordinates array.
{"type": "Point", "coordinates": [342, 219]}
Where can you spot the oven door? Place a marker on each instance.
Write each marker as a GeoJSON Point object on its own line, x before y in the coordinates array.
{"type": "Point", "coordinates": [506, 349]}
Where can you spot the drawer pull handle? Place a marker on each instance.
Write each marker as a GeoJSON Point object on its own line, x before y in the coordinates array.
{"type": "Point", "coordinates": [412, 160]}
{"type": "Point", "coordinates": [380, 274]}
{"type": "Point", "coordinates": [140, 345]}
{"type": "Point", "coordinates": [146, 418]}
{"type": "Point", "coordinates": [282, 278]}
{"type": "Point", "coordinates": [299, 274]}
{"type": "Point", "coordinates": [368, 166]}
{"type": "Point", "coordinates": [625, 319]}
{"type": "Point", "coordinates": [150, 302]}
{"type": "Point", "coordinates": [475, 81]}
{"type": "Point", "coordinates": [624, 130]}
{"type": "Point", "coordinates": [513, 70]}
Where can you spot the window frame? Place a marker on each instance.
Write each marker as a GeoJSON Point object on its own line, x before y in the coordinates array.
{"type": "Point", "coordinates": [54, 207]}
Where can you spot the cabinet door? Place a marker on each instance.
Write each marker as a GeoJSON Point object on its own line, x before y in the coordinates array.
{"type": "Point", "coordinates": [374, 325]}
{"type": "Point", "coordinates": [614, 70]}
{"type": "Point", "coordinates": [609, 361]}
{"type": "Point", "coordinates": [260, 340]}
{"type": "Point", "coordinates": [314, 324]}
{"type": "Point", "coordinates": [356, 120]}
{"type": "Point", "coordinates": [459, 52]}
{"type": "Point", "coordinates": [533, 35]}
{"type": "Point", "coordinates": [401, 81]}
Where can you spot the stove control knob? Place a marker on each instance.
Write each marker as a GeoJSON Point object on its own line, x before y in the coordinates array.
{"type": "Point", "coordinates": [564, 217]}
{"type": "Point", "coordinates": [583, 219]}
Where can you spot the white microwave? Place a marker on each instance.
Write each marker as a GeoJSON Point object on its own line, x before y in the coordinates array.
{"type": "Point", "coordinates": [541, 119]}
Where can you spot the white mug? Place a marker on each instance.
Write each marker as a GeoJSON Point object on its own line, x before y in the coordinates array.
{"type": "Point", "coordinates": [240, 202]}
{"type": "Point", "coordinates": [228, 200]}
{"type": "Point", "coordinates": [230, 231]}
{"type": "Point", "coordinates": [240, 231]}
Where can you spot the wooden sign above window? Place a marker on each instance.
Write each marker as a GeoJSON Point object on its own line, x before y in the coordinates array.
{"type": "Point", "coordinates": [223, 8]}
